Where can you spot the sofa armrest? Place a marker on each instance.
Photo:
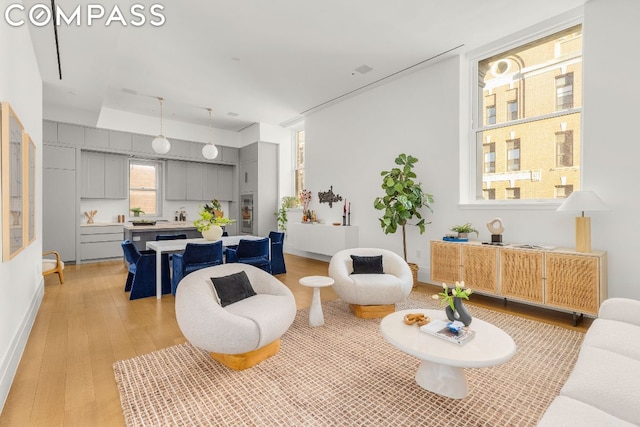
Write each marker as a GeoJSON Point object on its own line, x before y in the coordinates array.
{"type": "Point", "coordinates": [621, 309]}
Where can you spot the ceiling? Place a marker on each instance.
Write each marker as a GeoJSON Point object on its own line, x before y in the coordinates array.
{"type": "Point", "coordinates": [259, 61]}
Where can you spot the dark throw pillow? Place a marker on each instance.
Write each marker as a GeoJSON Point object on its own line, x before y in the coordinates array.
{"type": "Point", "coordinates": [367, 264]}
{"type": "Point", "coordinates": [233, 288]}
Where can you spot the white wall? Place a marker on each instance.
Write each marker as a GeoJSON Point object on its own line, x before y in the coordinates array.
{"type": "Point", "coordinates": [348, 144]}
{"type": "Point", "coordinates": [21, 284]}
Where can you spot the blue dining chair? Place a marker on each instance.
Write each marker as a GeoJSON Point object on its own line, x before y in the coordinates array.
{"type": "Point", "coordinates": [277, 252]}
{"type": "Point", "coordinates": [195, 257]}
{"type": "Point", "coordinates": [167, 257]}
{"type": "Point", "coordinates": [141, 280]}
{"type": "Point", "coordinates": [254, 252]}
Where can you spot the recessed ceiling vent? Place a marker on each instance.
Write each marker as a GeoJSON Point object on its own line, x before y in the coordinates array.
{"type": "Point", "coordinates": [363, 69]}
{"type": "Point", "coordinates": [232, 114]}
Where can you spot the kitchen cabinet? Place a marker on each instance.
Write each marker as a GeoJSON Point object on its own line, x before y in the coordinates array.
{"type": "Point", "coordinates": [100, 242]}
{"type": "Point", "coordinates": [552, 278]}
{"type": "Point", "coordinates": [70, 134]}
{"type": "Point", "coordinates": [59, 199]}
{"type": "Point", "coordinates": [98, 138]}
{"type": "Point", "coordinates": [103, 175]}
{"type": "Point", "coordinates": [198, 181]}
{"type": "Point", "coordinates": [259, 177]}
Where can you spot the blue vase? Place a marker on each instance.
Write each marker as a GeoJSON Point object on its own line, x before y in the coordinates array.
{"type": "Point", "coordinates": [460, 313]}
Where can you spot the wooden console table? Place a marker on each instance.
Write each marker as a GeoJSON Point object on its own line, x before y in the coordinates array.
{"type": "Point", "coordinates": [561, 278]}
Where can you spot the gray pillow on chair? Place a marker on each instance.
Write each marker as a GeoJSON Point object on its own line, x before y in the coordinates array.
{"type": "Point", "coordinates": [233, 288]}
{"type": "Point", "coordinates": [367, 264]}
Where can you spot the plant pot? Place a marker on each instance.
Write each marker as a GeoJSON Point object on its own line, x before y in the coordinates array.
{"type": "Point", "coordinates": [213, 233]}
{"type": "Point", "coordinates": [463, 235]}
{"type": "Point", "coordinates": [414, 271]}
{"type": "Point", "coordinates": [218, 214]}
{"type": "Point", "coordinates": [460, 313]}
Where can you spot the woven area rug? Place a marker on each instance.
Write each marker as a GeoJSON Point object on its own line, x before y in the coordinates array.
{"type": "Point", "coordinates": [345, 373]}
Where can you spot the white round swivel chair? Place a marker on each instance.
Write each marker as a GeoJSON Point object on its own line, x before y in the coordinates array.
{"type": "Point", "coordinates": [241, 334]}
{"type": "Point", "coordinates": [371, 295]}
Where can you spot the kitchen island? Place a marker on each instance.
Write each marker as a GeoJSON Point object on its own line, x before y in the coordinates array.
{"type": "Point", "coordinates": [141, 234]}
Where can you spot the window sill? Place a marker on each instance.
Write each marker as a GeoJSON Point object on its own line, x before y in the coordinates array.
{"type": "Point", "coordinates": [532, 205]}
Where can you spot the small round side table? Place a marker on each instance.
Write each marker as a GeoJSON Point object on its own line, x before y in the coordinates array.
{"type": "Point", "coordinates": [316, 317]}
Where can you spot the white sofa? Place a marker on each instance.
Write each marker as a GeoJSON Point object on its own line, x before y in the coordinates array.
{"type": "Point", "coordinates": [604, 386]}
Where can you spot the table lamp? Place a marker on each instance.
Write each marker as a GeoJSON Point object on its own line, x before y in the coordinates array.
{"type": "Point", "coordinates": [580, 201]}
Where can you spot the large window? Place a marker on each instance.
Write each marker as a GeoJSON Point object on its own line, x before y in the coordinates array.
{"type": "Point", "coordinates": [527, 96]}
{"type": "Point", "coordinates": [299, 166]}
{"type": "Point", "coordinates": [143, 186]}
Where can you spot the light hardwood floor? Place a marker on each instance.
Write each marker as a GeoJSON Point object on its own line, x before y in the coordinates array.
{"type": "Point", "coordinates": [65, 376]}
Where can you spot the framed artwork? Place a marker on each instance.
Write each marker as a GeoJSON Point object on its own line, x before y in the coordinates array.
{"type": "Point", "coordinates": [31, 187]}
{"type": "Point", "coordinates": [14, 186]}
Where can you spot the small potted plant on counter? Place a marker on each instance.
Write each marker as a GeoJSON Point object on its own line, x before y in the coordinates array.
{"type": "Point", "coordinates": [136, 211]}
{"type": "Point", "coordinates": [464, 230]}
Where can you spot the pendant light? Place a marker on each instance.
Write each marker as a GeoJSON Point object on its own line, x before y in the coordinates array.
{"type": "Point", "coordinates": [210, 151]}
{"type": "Point", "coordinates": [160, 144]}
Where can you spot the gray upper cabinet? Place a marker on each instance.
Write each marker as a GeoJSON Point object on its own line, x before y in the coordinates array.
{"type": "Point", "coordinates": [210, 188]}
{"type": "Point", "coordinates": [225, 183]}
{"type": "Point", "coordinates": [180, 148]}
{"type": "Point", "coordinates": [176, 180]}
{"type": "Point", "coordinates": [195, 183]}
{"type": "Point", "coordinates": [49, 131]}
{"type": "Point", "coordinates": [120, 140]}
{"type": "Point", "coordinates": [115, 173]}
{"type": "Point", "coordinates": [70, 134]}
{"type": "Point", "coordinates": [229, 155]}
{"type": "Point", "coordinates": [56, 157]}
{"type": "Point", "coordinates": [103, 176]}
{"type": "Point", "coordinates": [98, 138]}
{"type": "Point", "coordinates": [92, 175]}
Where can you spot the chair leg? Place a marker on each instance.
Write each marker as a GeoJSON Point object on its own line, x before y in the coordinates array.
{"type": "Point", "coordinates": [127, 286]}
{"type": "Point", "coordinates": [60, 276]}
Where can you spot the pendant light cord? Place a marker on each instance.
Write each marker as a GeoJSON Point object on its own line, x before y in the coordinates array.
{"type": "Point", "coordinates": [161, 99]}
{"type": "Point", "coordinates": [209, 110]}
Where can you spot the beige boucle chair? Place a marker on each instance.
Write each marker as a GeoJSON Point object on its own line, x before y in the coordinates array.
{"type": "Point", "coordinates": [50, 266]}
{"type": "Point", "coordinates": [241, 334]}
{"type": "Point", "coordinates": [371, 295]}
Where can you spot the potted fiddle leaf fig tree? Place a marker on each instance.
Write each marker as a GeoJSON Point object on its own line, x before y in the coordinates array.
{"type": "Point", "coordinates": [403, 201]}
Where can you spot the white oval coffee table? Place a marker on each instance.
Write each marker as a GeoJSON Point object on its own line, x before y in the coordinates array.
{"type": "Point", "coordinates": [441, 370]}
{"type": "Point", "coordinates": [316, 317]}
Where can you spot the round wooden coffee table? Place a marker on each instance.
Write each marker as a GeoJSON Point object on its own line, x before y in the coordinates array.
{"type": "Point", "coordinates": [441, 370]}
{"type": "Point", "coordinates": [316, 317]}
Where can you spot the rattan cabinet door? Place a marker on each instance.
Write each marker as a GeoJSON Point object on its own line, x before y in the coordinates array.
{"type": "Point", "coordinates": [480, 268]}
{"type": "Point", "coordinates": [521, 275]}
{"type": "Point", "coordinates": [573, 282]}
{"type": "Point", "coordinates": [445, 262]}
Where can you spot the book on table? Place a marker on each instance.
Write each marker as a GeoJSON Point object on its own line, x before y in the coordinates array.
{"type": "Point", "coordinates": [440, 329]}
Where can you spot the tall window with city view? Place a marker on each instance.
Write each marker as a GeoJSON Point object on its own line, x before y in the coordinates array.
{"type": "Point", "coordinates": [528, 124]}
{"type": "Point", "coordinates": [143, 186]}
{"type": "Point", "coordinates": [299, 167]}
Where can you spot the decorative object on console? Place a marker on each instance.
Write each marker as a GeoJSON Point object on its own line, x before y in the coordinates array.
{"type": "Point", "coordinates": [329, 197]}
{"type": "Point", "coordinates": [496, 228]}
{"type": "Point", "coordinates": [402, 202]}
{"type": "Point", "coordinates": [580, 201]}
{"type": "Point", "coordinates": [90, 215]}
{"type": "Point", "coordinates": [464, 230]}
{"type": "Point", "coordinates": [210, 151]}
{"type": "Point", "coordinates": [160, 143]}
{"type": "Point", "coordinates": [452, 298]}
{"type": "Point", "coordinates": [305, 199]}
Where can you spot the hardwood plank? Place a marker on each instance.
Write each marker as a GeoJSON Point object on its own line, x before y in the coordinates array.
{"type": "Point", "coordinates": [66, 376]}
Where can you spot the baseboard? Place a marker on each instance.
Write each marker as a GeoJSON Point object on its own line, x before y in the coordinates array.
{"type": "Point", "coordinates": [12, 357]}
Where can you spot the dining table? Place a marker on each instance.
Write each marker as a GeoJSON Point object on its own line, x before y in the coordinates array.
{"type": "Point", "coordinates": [178, 245]}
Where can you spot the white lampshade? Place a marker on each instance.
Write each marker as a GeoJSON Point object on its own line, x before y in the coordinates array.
{"type": "Point", "coordinates": [210, 151]}
{"type": "Point", "coordinates": [581, 201]}
{"type": "Point", "coordinates": [161, 145]}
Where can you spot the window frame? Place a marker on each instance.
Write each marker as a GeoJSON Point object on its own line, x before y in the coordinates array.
{"type": "Point", "coordinates": [159, 164]}
{"type": "Point", "coordinates": [471, 153]}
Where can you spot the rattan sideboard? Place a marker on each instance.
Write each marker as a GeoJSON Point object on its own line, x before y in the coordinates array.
{"type": "Point", "coordinates": [559, 278]}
